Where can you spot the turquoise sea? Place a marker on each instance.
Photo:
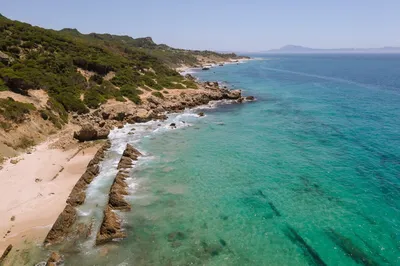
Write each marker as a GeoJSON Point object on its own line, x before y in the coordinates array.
{"type": "Point", "coordinates": [309, 174]}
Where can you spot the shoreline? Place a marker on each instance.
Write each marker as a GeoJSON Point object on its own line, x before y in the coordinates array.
{"type": "Point", "coordinates": [44, 188]}
{"type": "Point", "coordinates": [185, 69]}
{"type": "Point", "coordinates": [40, 182]}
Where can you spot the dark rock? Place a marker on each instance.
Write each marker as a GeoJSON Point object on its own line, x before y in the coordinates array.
{"type": "Point", "coordinates": [250, 98]}
{"type": "Point", "coordinates": [5, 253]}
{"type": "Point", "coordinates": [201, 114]}
{"type": "Point", "coordinates": [190, 77]}
{"type": "Point", "coordinates": [173, 125]}
{"type": "Point", "coordinates": [62, 226]}
{"type": "Point", "coordinates": [102, 123]}
{"type": "Point", "coordinates": [105, 115]}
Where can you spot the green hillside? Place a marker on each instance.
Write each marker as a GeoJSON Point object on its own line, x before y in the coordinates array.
{"type": "Point", "coordinates": [36, 58]}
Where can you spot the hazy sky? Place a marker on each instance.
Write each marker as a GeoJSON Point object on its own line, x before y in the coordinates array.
{"type": "Point", "coordinates": [246, 25]}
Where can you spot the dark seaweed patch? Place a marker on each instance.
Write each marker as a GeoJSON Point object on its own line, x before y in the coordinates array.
{"type": "Point", "coordinates": [260, 193]}
{"type": "Point", "coordinates": [223, 242]}
{"type": "Point", "coordinates": [311, 255]}
{"type": "Point", "coordinates": [350, 249]}
{"type": "Point", "coordinates": [274, 209]}
{"type": "Point", "coordinates": [372, 249]}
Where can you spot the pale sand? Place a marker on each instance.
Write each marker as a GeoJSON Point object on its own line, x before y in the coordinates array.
{"type": "Point", "coordinates": [37, 204]}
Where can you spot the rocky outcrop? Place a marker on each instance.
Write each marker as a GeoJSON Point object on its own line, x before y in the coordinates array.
{"type": "Point", "coordinates": [110, 228]}
{"type": "Point", "coordinates": [89, 132]}
{"type": "Point", "coordinates": [63, 227]}
{"type": "Point", "coordinates": [55, 259]}
{"type": "Point", "coordinates": [78, 193]}
{"type": "Point", "coordinates": [5, 253]}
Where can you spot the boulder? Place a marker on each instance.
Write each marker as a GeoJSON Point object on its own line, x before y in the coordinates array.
{"type": "Point", "coordinates": [233, 94]}
{"type": "Point", "coordinates": [250, 98]}
{"type": "Point", "coordinates": [88, 132]}
{"type": "Point", "coordinates": [201, 114]}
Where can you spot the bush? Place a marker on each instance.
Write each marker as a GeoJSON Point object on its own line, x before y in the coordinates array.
{"type": "Point", "coordinates": [15, 111]}
{"type": "Point", "coordinates": [97, 79]}
{"type": "Point", "coordinates": [132, 93]}
{"type": "Point", "coordinates": [72, 103]}
{"type": "Point", "coordinates": [158, 94]}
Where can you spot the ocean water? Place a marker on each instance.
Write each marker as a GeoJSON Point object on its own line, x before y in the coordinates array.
{"type": "Point", "coordinates": [309, 174]}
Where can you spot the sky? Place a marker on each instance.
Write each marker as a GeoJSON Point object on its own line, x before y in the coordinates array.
{"type": "Point", "coordinates": [223, 25]}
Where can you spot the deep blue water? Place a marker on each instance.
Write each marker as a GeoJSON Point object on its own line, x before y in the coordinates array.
{"type": "Point", "coordinates": [309, 174]}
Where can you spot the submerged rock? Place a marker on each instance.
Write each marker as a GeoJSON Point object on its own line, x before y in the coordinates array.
{"type": "Point", "coordinates": [250, 98]}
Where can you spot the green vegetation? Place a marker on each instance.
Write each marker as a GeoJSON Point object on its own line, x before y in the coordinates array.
{"type": "Point", "coordinates": [15, 111]}
{"type": "Point", "coordinates": [46, 59]}
{"type": "Point", "coordinates": [158, 94]}
{"type": "Point", "coordinates": [131, 93]}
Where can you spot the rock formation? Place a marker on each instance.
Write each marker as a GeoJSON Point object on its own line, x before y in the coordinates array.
{"type": "Point", "coordinates": [111, 226]}
{"type": "Point", "coordinates": [89, 132]}
{"type": "Point", "coordinates": [62, 227]}
{"type": "Point", "coordinates": [65, 221]}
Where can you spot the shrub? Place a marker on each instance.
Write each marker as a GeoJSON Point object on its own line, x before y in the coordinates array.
{"type": "Point", "coordinates": [97, 79]}
{"type": "Point", "coordinates": [13, 110]}
{"type": "Point", "coordinates": [71, 102]}
{"type": "Point", "coordinates": [158, 94]}
{"type": "Point", "coordinates": [132, 93]}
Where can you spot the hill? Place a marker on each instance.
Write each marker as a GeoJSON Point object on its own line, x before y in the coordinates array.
{"type": "Point", "coordinates": [47, 75]}
{"type": "Point", "coordinates": [301, 50]}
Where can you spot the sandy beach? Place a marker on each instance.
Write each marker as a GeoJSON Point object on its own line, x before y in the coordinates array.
{"type": "Point", "coordinates": [34, 190]}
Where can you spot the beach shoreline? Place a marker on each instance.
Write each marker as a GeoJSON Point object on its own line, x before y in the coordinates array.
{"type": "Point", "coordinates": [41, 180]}
{"type": "Point", "coordinates": [34, 191]}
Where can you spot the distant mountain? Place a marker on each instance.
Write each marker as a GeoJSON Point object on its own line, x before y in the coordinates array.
{"type": "Point", "coordinates": [297, 49]}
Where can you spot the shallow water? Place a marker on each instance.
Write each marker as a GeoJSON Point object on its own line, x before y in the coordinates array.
{"type": "Point", "coordinates": [309, 174]}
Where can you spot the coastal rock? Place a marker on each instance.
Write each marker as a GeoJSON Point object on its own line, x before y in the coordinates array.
{"type": "Point", "coordinates": [88, 132]}
{"type": "Point", "coordinates": [173, 125]}
{"type": "Point", "coordinates": [250, 98]}
{"type": "Point", "coordinates": [233, 94]}
{"type": "Point", "coordinates": [5, 253]}
{"type": "Point", "coordinates": [117, 193]}
{"type": "Point", "coordinates": [55, 259]}
{"type": "Point", "coordinates": [128, 156]}
{"type": "Point", "coordinates": [201, 114]}
{"type": "Point", "coordinates": [110, 228]}
{"type": "Point", "coordinates": [190, 77]}
{"type": "Point", "coordinates": [62, 226]}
